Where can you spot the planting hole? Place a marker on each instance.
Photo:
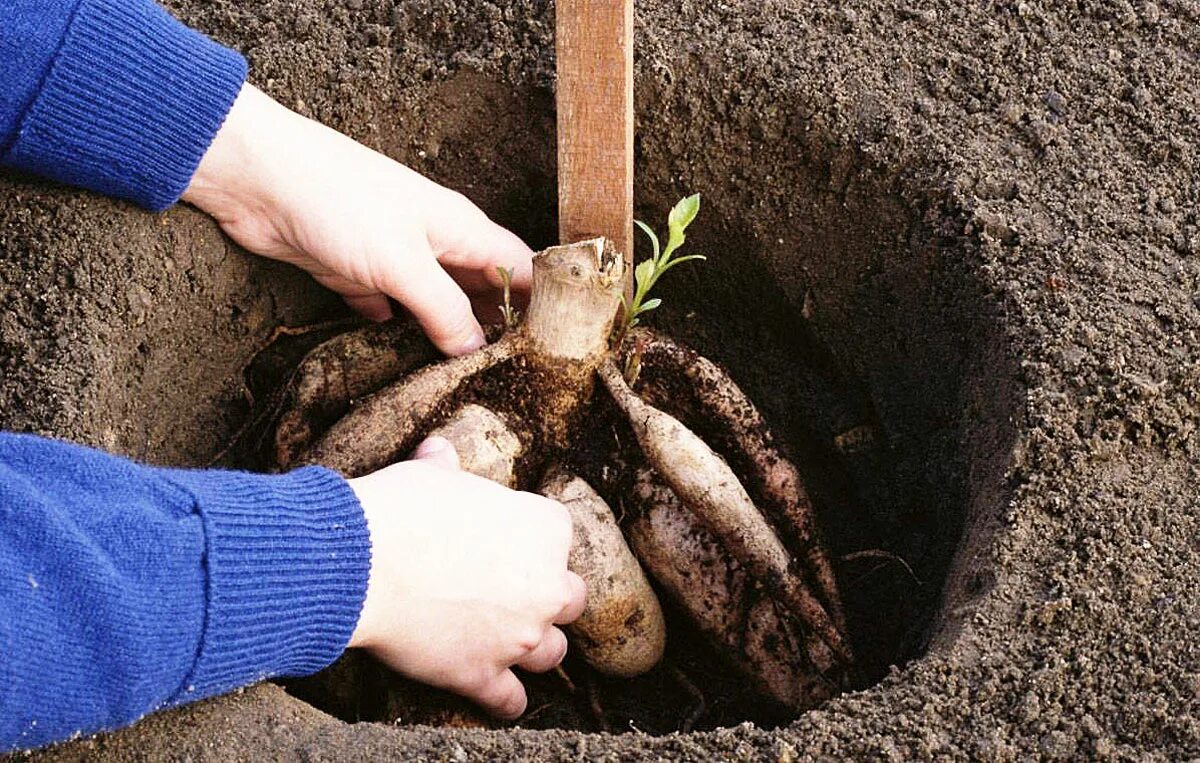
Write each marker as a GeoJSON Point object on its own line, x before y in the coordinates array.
{"type": "Point", "coordinates": [843, 305]}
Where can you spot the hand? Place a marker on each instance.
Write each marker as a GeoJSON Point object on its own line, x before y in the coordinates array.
{"type": "Point", "coordinates": [363, 225]}
{"type": "Point", "coordinates": [468, 578]}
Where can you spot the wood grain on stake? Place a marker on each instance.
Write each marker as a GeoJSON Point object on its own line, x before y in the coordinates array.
{"type": "Point", "coordinates": [594, 45]}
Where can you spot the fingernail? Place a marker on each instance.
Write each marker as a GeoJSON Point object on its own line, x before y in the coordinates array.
{"type": "Point", "coordinates": [432, 446]}
{"type": "Point", "coordinates": [473, 343]}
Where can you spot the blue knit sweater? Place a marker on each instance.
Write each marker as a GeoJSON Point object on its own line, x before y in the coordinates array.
{"type": "Point", "coordinates": [124, 589]}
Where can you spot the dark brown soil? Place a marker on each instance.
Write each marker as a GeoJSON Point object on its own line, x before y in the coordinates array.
{"type": "Point", "coordinates": [973, 224]}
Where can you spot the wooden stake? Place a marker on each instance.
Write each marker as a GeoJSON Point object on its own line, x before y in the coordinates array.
{"type": "Point", "coordinates": [594, 44]}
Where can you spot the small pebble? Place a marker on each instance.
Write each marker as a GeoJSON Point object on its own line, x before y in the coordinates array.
{"type": "Point", "coordinates": [1011, 113]}
{"type": "Point", "coordinates": [1055, 102]}
{"type": "Point", "coordinates": [923, 15]}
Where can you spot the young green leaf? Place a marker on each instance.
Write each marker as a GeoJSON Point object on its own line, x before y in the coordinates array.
{"type": "Point", "coordinates": [647, 272]}
{"type": "Point", "coordinates": [650, 233]}
{"type": "Point", "coordinates": [678, 260]}
{"type": "Point", "coordinates": [680, 218]}
{"type": "Point", "coordinates": [643, 276]}
{"type": "Point", "coordinates": [684, 212]}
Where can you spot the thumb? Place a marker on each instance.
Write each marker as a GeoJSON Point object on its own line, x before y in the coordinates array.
{"type": "Point", "coordinates": [438, 451]}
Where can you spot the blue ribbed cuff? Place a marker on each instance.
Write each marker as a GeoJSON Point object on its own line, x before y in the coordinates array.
{"type": "Point", "coordinates": [287, 560]}
{"type": "Point", "coordinates": [130, 104]}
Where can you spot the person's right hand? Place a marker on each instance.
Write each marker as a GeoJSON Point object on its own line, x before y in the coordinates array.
{"type": "Point", "coordinates": [468, 579]}
{"type": "Point", "coordinates": [363, 225]}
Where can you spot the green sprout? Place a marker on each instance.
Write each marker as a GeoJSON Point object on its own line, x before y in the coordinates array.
{"type": "Point", "coordinates": [511, 316]}
{"type": "Point", "coordinates": [646, 274]}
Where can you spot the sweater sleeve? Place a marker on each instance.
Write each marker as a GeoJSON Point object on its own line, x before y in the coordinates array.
{"type": "Point", "coordinates": [111, 95]}
{"type": "Point", "coordinates": [125, 589]}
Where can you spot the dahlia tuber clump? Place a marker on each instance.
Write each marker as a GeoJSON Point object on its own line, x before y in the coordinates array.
{"type": "Point", "coordinates": [738, 553]}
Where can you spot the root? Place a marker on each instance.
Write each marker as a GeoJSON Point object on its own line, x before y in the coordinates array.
{"type": "Point", "coordinates": [597, 708]}
{"type": "Point", "coordinates": [385, 426]}
{"type": "Point", "coordinates": [710, 489]}
{"type": "Point", "coordinates": [701, 706]}
{"type": "Point", "coordinates": [282, 330]}
{"type": "Point", "coordinates": [529, 716]}
{"type": "Point", "coordinates": [264, 416]}
{"type": "Point", "coordinates": [566, 679]}
{"type": "Point", "coordinates": [336, 373]}
{"type": "Point", "coordinates": [622, 631]}
{"type": "Point", "coordinates": [885, 557]}
{"type": "Point", "coordinates": [768, 473]}
{"type": "Point", "coordinates": [785, 663]}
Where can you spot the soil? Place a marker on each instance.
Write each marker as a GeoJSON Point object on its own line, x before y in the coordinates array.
{"type": "Point", "coordinates": [954, 254]}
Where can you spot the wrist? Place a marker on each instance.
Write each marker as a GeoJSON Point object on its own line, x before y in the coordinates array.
{"type": "Point", "coordinates": [286, 561]}
{"type": "Point", "coordinates": [234, 178]}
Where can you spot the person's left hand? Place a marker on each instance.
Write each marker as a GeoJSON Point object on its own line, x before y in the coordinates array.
{"type": "Point", "coordinates": [362, 224]}
{"type": "Point", "coordinates": [468, 578]}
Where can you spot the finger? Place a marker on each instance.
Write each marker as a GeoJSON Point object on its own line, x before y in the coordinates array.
{"type": "Point", "coordinates": [476, 282]}
{"type": "Point", "coordinates": [437, 303]}
{"type": "Point", "coordinates": [438, 451]}
{"type": "Point", "coordinates": [549, 653]}
{"type": "Point", "coordinates": [509, 252]}
{"type": "Point", "coordinates": [373, 307]}
{"type": "Point", "coordinates": [504, 697]}
{"type": "Point", "coordinates": [577, 603]}
{"type": "Point", "coordinates": [463, 236]}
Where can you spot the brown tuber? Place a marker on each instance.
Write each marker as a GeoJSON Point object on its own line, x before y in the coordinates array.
{"type": "Point", "coordinates": [722, 600]}
{"type": "Point", "coordinates": [711, 491]}
{"type": "Point", "coordinates": [766, 471]}
{"type": "Point", "coordinates": [340, 371]}
{"type": "Point", "coordinates": [486, 446]}
{"type": "Point", "coordinates": [382, 429]}
{"type": "Point", "coordinates": [621, 632]}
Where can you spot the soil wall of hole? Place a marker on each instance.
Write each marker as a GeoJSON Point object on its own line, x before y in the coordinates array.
{"type": "Point", "coordinates": [839, 291]}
